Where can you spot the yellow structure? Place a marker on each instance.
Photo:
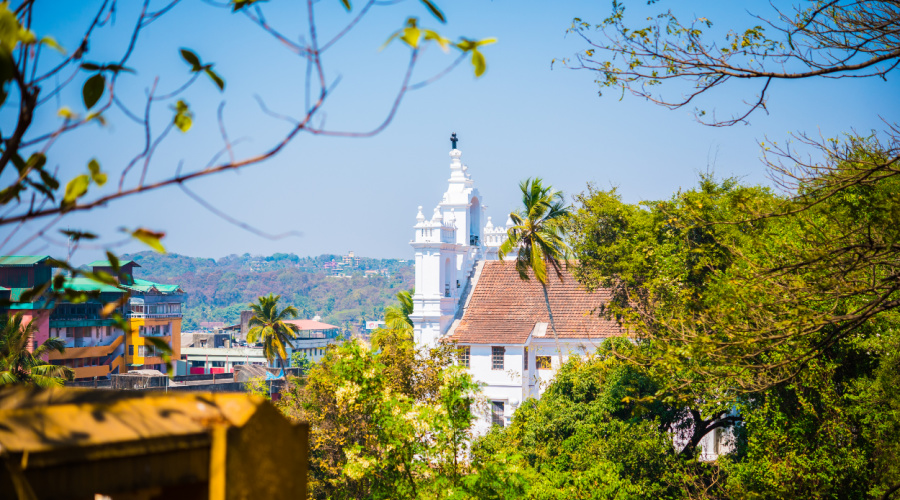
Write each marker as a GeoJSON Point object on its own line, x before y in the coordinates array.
{"type": "Point", "coordinates": [70, 443]}
{"type": "Point", "coordinates": [140, 351]}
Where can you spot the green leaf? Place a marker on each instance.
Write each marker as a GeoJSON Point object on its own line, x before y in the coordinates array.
{"type": "Point", "coordinates": [113, 261]}
{"type": "Point", "coordinates": [478, 62]}
{"type": "Point", "coordinates": [192, 59]}
{"type": "Point", "coordinates": [346, 4]}
{"type": "Point", "coordinates": [149, 238]}
{"type": "Point", "coordinates": [93, 90]}
{"type": "Point", "coordinates": [183, 116]}
{"type": "Point", "coordinates": [76, 188]}
{"type": "Point", "coordinates": [49, 181]}
{"type": "Point", "coordinates": [36, 161]}
{"type": "Point", "coordinates": [435, 11]}
{"type": "Point", "coordinates": [90, 66]}
{"type": "Point", "coordinates": [78, 235]}
{"type": "Point", "coordinates": [216, 78]}
{"type": "Point", "coordinates": [98, 176]}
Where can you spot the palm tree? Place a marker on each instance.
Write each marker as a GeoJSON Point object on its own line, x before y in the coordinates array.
{"type": "Point", "coordinates": [19, 366]}
{"type": "Point", "coordinates": [537, 237]}
{"type": "Point", "coordinates": [398, 328]}
{"type": "Point", "coordinates": [397, 317]}
{"type": "Point", "coordinates": [267, 326]}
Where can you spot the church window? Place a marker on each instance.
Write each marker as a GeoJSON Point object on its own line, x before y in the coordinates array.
{"type": "Point", "coordinates": [464, 356]}
{"type": "Point", "coordinates": [497, 354]}
{"type": "Point", "coordinates": [543, 363]}
{"type": "Point", "coordinates": [497, 418]}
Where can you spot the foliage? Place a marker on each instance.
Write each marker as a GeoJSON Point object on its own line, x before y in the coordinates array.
{"type": "Point", "coordinates": [734, 292]}
{"type": "Point", "coordinates": [782, 308]}
{"type": "Point", "coordinates": [19, 365]}
{"type": "Point", "coordinates": [257, 386]}
{"type": "Point", "coordinates": [590, 436]}
{"type": "Point", "coordinates": [267, 326]}
{"type": "Point", "coordinates": [373, 438]}
{"type": "Point", "coordinates": [299, 360]}
{"type": "Point", "coordinates": [537, 238]}
{"type": "Point", "coordinates": [394, 422]}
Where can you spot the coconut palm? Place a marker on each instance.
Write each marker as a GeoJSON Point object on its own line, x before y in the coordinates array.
{"type": "Point", "coordinates": [398, 328]}
{"type": "Point", "coordinates": [537, 238]}
{"type": "Point", "coordinates": [397, 317]}
{"type": "Point", "coordinates": [268, 327]}
{"type": "Point", "coordinates": [18, 365]}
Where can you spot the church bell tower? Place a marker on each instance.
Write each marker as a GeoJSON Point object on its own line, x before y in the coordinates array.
{"type": "Point", "coordinates": [447, 247]}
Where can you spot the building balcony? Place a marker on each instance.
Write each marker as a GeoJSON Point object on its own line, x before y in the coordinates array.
{"type": "Point", "coordinates": [86, 321]}
{"type": "Point", "coordinates": [154, 315]}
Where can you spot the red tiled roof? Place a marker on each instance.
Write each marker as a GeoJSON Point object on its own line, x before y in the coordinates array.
{"type": "Point", "coordinates": [309, 324]}
{"type": "Point", "coordinates": [504, 308]}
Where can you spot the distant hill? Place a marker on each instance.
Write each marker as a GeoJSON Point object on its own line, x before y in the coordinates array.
{"type": "Point", "coordinates": [219, 289]}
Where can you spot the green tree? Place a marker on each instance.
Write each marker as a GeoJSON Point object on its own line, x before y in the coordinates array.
{"type": "Point", "coordinates": [768, 317]}
{"type": "Point", "coordinates": [396, 317]}
{"type": "Point", "coordinates": [299, 360]}
{"type": "Point", "coordinates": [18, 365]}
{"type": "Point", "coordinates": [374, 438]}
{"type": "Point", "coordinates": [267, 326]}
{"type": "Point", "coordinates": [537, 238]}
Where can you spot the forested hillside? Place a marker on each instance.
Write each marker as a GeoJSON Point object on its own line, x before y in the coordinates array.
{"type": "Point", "coordinates": [219, 289]}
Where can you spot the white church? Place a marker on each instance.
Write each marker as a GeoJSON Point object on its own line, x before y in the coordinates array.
{"type": "Point", "coordinates": [464, 294]}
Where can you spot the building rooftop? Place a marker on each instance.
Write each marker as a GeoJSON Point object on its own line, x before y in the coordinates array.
{"type": "Point", "coordinates": [105, 263]}
{"type": "Point", "coordinates": [310, 324]}
{"type": "Point", "coordinates": [504, 309]}
{"type": "Point", "coordinates": [23, 260]}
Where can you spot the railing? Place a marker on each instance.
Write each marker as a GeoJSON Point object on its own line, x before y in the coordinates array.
{"type": "Point", "coordinates": [151, 334]}
{"type": "Point", "coordinates": [155, 315]}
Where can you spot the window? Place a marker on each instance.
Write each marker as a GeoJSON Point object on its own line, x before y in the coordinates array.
{"type": "Point", "coordinates": [543, 363]}
{"type": "Point", "coordinates": [497, 410]}
{"type": "Point", "coordinates": [464, 356]}
{"type": "Point", "coordinates": [198, 364]}
{"type": "Point", "coordinates": [131, 350]}
{"type": "Point", "coordinates": [526, 358]}
{"type": "Point", "coordinates": [497, 354]}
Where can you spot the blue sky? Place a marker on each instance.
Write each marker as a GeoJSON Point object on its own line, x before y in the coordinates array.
{"type": "Point", "coordinates": [522, 118]}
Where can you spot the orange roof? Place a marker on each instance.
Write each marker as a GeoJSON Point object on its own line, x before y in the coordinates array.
{"type": "Point", "coordinates": [309, 324]}
{"type": "Point", "coordinates": [504, 309]}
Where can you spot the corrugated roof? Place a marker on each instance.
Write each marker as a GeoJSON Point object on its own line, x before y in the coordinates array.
{"type": "Point", "coordinates": [42, 420]}
{"type": "Point", "coordinates": [504, 309]}
{"type": "Point", "coordinates": [105, 263]}
{"type": "Point", "coordinates": [22, 260]}
{"type": "Point", "coordinates": [147, 286]}
{"type": "Point", "coordinates": [309, 324]}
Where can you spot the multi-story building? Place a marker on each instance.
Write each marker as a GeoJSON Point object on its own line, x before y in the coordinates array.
{"type": "Point", "coordinates": [154, 310]}
{"type": "Point", "coordinates": [95, 345]}
{"type": "Point", "coordinates": [20, 274]}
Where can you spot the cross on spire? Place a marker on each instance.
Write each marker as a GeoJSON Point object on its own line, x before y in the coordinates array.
{"type": "Point", "coordinates": [453, 140]}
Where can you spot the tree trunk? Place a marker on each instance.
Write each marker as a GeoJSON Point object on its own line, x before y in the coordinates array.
{"type": "Point", "coordinates": [552, 324]}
